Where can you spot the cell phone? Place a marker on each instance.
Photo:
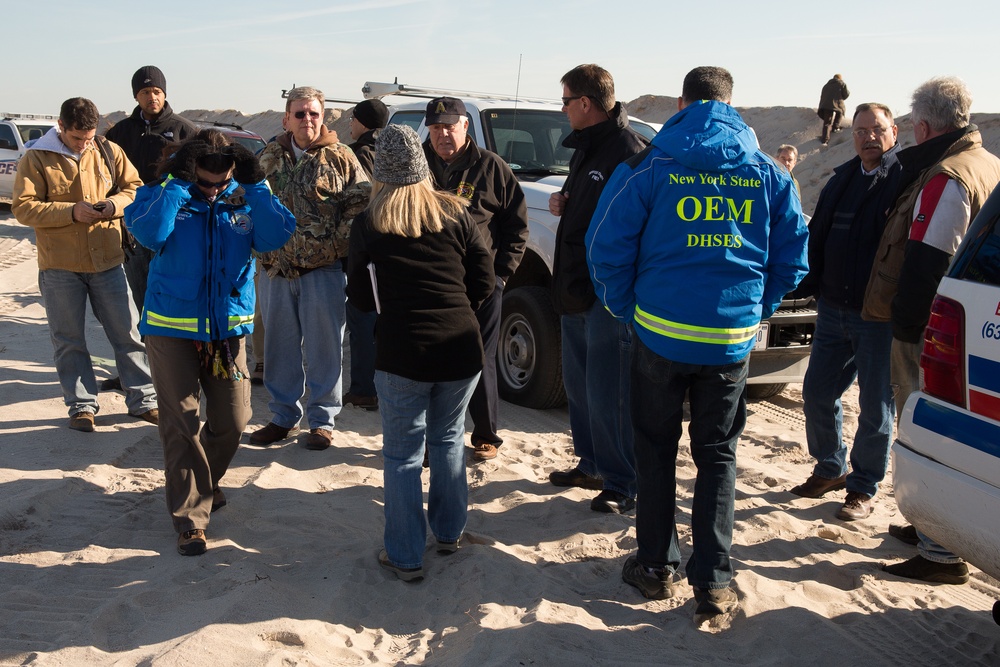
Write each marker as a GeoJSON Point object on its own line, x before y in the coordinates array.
{"type": "Point", "coordinates": [100, 206]}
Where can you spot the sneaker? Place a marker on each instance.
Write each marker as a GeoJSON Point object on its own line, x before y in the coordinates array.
{"type": "Point", "coordinates": [369, 403]}
{"type": "Point", "coordinates": [218, 499]}
{"type": "Point", "coordinates": [921, 569]}
{"type": "Point", "coordinates": [319, 439]}
{"type": "Point", "coordinates": [447, 548]}
{"type": "Point", "coordinates": [612, 502]}
{"type": "Point", "coordinates": [112, 384]}
{"type": "Point", "coordinates": [408, 574]}
{"type": "Point", "coordinates": [82, 421]}
{"type": "Point", "coordinates": [653, 584]}
{"type": "Point", "coordinates": [576, 477]}
{"type": "Point", "coordinates": [484, 451]}
{"type": "Point", "coordinates": [857, 506]}
{"type": "Point", "coordinates": [714, 602]}
{"type": "Point", "coordinates": [151, 416]}
{"type": "Point", "coordinates": [192, 542]}
{"type": "Point", "coordinates": [257, 375]}
{"type": "Point", "coordinates": [271, 434]}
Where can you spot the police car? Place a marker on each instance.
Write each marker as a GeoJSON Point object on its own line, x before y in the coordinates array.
{"type": "Point", "coordinates": [17, 129]}
{"type": "Point", "coordinates": [528, 134]}
{"type": "Point", "coordinates": [946, 458]}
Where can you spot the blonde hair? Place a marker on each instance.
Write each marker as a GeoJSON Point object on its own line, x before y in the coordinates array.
{"type": "Point", "coordinates": [410, 210]}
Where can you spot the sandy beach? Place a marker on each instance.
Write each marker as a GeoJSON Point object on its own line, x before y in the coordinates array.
{"type": "Point", "coordinates": [89, 573]}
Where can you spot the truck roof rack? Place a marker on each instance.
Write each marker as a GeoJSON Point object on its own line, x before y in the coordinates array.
{"type": "Point", "coordinates": [377, 90]}
{"type": "Point", "coordinates": [328, 100]}
{"type": "Point", "coordinates": [26, 116]}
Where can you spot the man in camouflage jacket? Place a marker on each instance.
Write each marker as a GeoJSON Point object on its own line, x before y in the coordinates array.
{"type": "Point", "coordinates": [302, 285]}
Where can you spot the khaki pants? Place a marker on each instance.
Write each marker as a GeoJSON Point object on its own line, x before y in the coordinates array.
{"type": "Point", "coordinates": [905, 371]}
{"type": "Point", "coordinates": [196, 457]}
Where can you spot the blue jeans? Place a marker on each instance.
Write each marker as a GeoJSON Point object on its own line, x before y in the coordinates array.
{"type": "Point", "coordinates": [361, 327]}
{"type": "Point", "coordinates": [718, 414]}
{"type": "Point", "coordinates": [846, 347]}
{"type": "Point", "coordinates": [415, 414]}
{"type": "Point", "coordinates": [304, 314]}
{"type": "Point", "coordinates": [65, 294]}
{"type": "Point", "coordinates": [595, 360]}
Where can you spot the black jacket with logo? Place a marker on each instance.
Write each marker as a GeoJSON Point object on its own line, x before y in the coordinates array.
{"type": "Point", "coordinates": [599, 150]}
{"type": "Point", "coordinates": [143, 142]}
{"type": "Point", "coordinates": [496, 201]}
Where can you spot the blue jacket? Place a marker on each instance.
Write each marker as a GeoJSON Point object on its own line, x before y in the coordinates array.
{"type": "Point", "coordinates": [698, 238]}
{"type": "Point", "coordinates": [201, 277]}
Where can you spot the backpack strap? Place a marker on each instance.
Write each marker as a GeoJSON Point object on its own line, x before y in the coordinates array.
{"type": "Point", "coordinates": [109, 160]}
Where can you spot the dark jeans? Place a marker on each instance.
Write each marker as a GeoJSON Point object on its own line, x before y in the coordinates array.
{"type": "Point", "coordinates": [137, 273]}
{"type": "Point", "coordinates": [484, 407]}
{"type": "Point", "coordinates": [718, 414]}
{"type": "Point", "coordinates": [361, 326]}
{"type": "Point", "coordinates": [831, 122]}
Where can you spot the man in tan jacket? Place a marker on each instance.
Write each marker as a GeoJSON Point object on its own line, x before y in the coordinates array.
{"type": "Point", "coordinates": [74, 192]}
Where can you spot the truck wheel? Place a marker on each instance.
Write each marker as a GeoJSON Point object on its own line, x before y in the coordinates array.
{"type": "Point", "coordinates": [757, 392]}
{"type": "Point", "coordinates": [529, 353]}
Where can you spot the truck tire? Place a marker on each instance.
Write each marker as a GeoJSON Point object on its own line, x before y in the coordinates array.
{"type": "Point", "coordinates": [757, 392]}
{"type": "Point", "coordinates": [529, 352]}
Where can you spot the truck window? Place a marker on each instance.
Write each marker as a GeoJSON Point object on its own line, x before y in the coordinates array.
{"type": "Point", "coordinates": [7, 137]}
{"type": "Point", "coordinates": [29, 132]}
{"type": "Point", "coordinates": [984, 265]}
{"type": "Point", "coordinates": [529, 140]}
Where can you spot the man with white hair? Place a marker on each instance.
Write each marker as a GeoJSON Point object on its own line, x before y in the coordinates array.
{"type": "Point", "coordinates": [946, 178]}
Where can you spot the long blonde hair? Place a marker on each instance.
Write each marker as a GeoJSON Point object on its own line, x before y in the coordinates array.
{"type": "Point", "coordinates": [412, 209]}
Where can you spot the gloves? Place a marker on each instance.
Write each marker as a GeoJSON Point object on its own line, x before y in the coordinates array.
{"type": "Point", "coordinates": [186, 158]}
{"type": "Point", "coordinates": [247, 169]}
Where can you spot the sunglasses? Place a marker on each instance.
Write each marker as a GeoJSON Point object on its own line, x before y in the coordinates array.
{"type": "Point", "coordinates": [210, 184]}
{"type": "Point", "coordinates": [567, 100]}
{"type": "Point", "coordinates": [302, 114]}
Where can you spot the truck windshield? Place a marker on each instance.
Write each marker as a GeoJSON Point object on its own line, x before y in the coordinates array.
{"type": "Point", "coordinates": [530, 140]}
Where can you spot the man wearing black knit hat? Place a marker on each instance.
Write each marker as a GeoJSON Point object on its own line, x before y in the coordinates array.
{"type": "Point", "coordinates": [368, 118]}
{"type": "Point", "coordinates": [142, 136]}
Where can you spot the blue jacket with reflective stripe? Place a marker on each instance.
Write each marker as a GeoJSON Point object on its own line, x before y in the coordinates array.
{"type": "Point", "coordinates": [200, 282]}
{"type": "Point", "coordinates": [698, 238]}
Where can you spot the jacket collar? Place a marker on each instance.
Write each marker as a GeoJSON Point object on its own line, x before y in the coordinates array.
{"type": "Point", "coordinates": [326, 138]}
{"type": "Point", "coordinates": [164, 116]}
{"type": "Point", "coordinates": [616, 122]}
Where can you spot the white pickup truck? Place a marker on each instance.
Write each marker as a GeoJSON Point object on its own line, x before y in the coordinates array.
{"type": "Point", "coordinates": [528, 134]}
{"type": "Point", "coordinates": [17, 129]}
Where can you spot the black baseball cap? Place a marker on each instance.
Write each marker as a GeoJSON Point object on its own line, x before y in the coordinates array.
{"type": "Point", "coordinates": [445, 111]}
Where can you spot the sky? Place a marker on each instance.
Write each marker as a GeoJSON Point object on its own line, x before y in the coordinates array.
{"type": "Point", "coordinates": [222, 54]}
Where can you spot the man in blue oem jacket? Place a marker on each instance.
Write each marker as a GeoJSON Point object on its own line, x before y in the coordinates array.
{"type": "Point", "coordinates": [695, 240]}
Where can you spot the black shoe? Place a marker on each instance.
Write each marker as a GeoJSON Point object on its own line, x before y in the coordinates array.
{"type": "Point", "coordinates": [921, 569]}
{"type": "Point", "coordinates": [612, 502]}
{"type": "Point", "coordinates": [816, 486]}
{"type": "Point", "coordinates": [271, 434]}
{"type": "Point", "coordinates": [112, 384]}
{"type": "Point", "coordinates": [218, 499]}
{"type": "Point", "coordinates": [369, 403]}
{"type": "Point", "coordinates": [655, 584]}
{"type": "Point", "coordinates": [576, 477]}
{"type": "Point", "coordinates": [905, 533]}
{"type": "Point", "coordinates": [714, 602]}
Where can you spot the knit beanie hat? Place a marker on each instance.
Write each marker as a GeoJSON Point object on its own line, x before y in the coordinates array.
{"type": "Point", "coordinates": [399, 157]}
{"type": "Point", "coordinates": [373, 114]}
{"type": "Point", "coordinates": [148, 77]}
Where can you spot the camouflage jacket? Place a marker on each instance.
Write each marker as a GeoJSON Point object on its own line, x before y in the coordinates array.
{"type": "Point", "coordinates": [324, 189]}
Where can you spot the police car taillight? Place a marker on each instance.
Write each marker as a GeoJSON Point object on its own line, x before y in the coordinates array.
{"type": "Point", "coordinates": [942, 362]}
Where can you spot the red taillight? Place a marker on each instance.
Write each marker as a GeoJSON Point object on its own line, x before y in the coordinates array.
{"type": "Point", "coordinates": [942, 362]}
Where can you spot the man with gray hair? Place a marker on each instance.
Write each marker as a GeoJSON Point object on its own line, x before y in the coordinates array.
{"type": "Point", "coordinates": [946, 178]}
{"type": "Point", "coordinates": [303, 286]}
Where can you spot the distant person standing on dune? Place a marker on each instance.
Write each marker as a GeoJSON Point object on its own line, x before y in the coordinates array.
{"type": "Point", "coordinates": [831, 106]}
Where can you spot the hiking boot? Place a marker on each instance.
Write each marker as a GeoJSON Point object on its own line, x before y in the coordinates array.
{"type": "Point", "coordinates": [857, 506]}
{"type": "Point", "coordinates": [612, 502]}
{"type": "Point", "coordinates": [921, 569]}
{"type": "Point", "coordinates": [82, 421]}
{"type": "Point", "coordinates": [369, 403]}
{"type": "Point", "coordinates": [192, 542]}
{"type": "Point", "coordinates": [816, 486]}
{"type": "Point", "coordinates": [319, 439]}
{"type": "Point", "coordinates": [271, 434]}
{"type": "Point", "coordinates": [405, 574]}
{"type": "Point", "coordinates": [151, 416]}
{"type": "Point", "coordinates": [576, 477]}
{"type": "Point", "coordinates": [714, 602]}
{"type": "Point", "coordinates": [654, 584]}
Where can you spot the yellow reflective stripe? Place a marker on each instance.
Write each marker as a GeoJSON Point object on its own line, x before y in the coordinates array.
{"type": "Point", "coordinates": [681, 331]}
{"type": "Point", "coordinates": [237, 320]}
{"type": "Point", "coordinates": [180, 323]}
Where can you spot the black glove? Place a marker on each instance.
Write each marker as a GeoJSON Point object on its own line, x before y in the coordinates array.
{"type": "Point", "coordinates": [247, 169]}
{"type": "Point", "coordinates": [185, 160]}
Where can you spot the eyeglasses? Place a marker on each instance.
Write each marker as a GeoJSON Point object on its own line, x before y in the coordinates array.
{"type": "Point", "coordinates": [302, 114]}
{"type": "Point", "coordinates": [567, 100]}
{"type": "Point", "coordinates": [221, 184]}
{"type": "Point", "coordinates": [863, 132]}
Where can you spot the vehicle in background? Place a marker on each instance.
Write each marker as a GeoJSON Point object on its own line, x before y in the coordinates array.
{"type": "Point", "coordinates": [16, 130]}
{"type": "Point", "coordinates": [528, 134]}
{"type": "Point", "coordinates": [946, 457]}
{"type": "Point", "coordinates": [248, 139]}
